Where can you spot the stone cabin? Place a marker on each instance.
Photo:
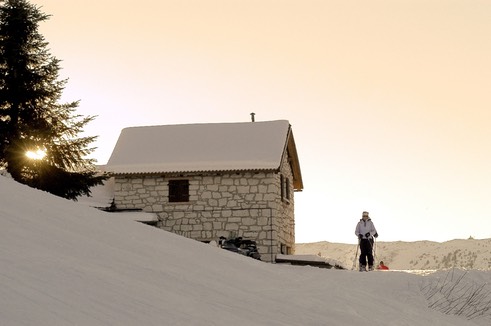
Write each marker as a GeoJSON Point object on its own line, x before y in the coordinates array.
{"type": "Point", "coordinates": [204, 181]}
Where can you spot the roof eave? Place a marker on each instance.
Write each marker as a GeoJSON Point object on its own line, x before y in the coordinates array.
{"type": "Point", "coordinates": [191, 172]}
{"type": "Point", "coordinates": [295, 164]}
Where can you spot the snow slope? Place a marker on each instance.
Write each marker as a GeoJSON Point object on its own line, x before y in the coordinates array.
{"type": "Point", "coordinates": [62, 263]}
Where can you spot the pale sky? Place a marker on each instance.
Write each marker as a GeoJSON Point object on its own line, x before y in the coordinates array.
{"type": "Point", "coordinates": [389, 101]}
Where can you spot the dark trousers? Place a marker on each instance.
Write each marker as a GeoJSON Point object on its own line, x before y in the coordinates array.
{"type": "Point", "coordinates": [366, 252]}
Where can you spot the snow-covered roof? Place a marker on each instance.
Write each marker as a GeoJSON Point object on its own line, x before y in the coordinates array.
{"type": "Point", "coordinates": [201, 147]}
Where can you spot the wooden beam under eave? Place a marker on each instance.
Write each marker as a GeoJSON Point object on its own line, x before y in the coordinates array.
{"type": "Point", "coordinates": [295, 164]}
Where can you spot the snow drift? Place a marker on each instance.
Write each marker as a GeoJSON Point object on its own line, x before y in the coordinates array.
{"type": "Point", "coordinates": [63, 263]}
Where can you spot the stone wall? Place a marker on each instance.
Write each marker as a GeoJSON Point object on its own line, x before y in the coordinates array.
{"type": "Point", "coordinates": [286, 213]}
{"type": "Point", "coordinates": [227, 204]}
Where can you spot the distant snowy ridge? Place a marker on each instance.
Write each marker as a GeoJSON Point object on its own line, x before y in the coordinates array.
{"type": "Point", "coordinates": [419, 255]}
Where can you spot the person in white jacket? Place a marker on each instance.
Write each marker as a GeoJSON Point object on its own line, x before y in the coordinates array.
{"type": "Point", "coordinates": [365, 231]}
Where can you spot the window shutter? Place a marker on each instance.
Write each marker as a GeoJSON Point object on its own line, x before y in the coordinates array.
{"type": "Point", "coordinates": [178, 191]}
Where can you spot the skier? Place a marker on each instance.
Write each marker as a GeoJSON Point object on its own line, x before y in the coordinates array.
{"type": "Point", "coordinates": [365, 230]}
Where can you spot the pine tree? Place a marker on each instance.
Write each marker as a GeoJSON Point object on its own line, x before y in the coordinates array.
{"type": "Point", "coordinates": [31, 117]}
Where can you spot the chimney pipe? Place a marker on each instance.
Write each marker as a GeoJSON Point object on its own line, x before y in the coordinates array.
{"type": "Point", "coordinates": [252, 116]}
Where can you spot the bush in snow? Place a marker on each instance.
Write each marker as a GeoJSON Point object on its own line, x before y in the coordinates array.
{"type": "Point", "coordinates": [456, 295]}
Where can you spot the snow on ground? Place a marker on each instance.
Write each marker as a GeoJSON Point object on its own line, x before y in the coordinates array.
{"type": "Point", "coordinates": [63, 263]}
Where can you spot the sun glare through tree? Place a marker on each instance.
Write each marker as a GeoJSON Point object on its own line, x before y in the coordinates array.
{"type": "Point", "coordinates": [37, 149]}
{"type": "Point", "coordinates": [36, 155]}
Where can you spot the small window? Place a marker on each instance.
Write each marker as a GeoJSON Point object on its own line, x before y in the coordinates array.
{"type": "Point", "coordinates": [178, 191]}
{"type": "Point", "coordinates": [282, 184]}
{"type": "Point", "coordinates": [285, 188]}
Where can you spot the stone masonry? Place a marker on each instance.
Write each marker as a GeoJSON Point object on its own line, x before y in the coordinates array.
{"type": "Point", "coordinates": [247, 204]}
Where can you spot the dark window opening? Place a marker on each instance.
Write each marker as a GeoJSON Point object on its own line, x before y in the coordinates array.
{"type": "Point", "coordinates": [284, 249]}
{"type": "Point", "coordinates": [285, 188]}
{"type": "Point", "coordinates": [178, 191]}
{"type": "Point", "coordinates": [282, 184]}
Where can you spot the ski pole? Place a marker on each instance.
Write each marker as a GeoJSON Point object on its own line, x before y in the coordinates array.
{"type": "Point", "coordinates": [374, 248]}
{"type": "Point", "coordinates": [356, 255]}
